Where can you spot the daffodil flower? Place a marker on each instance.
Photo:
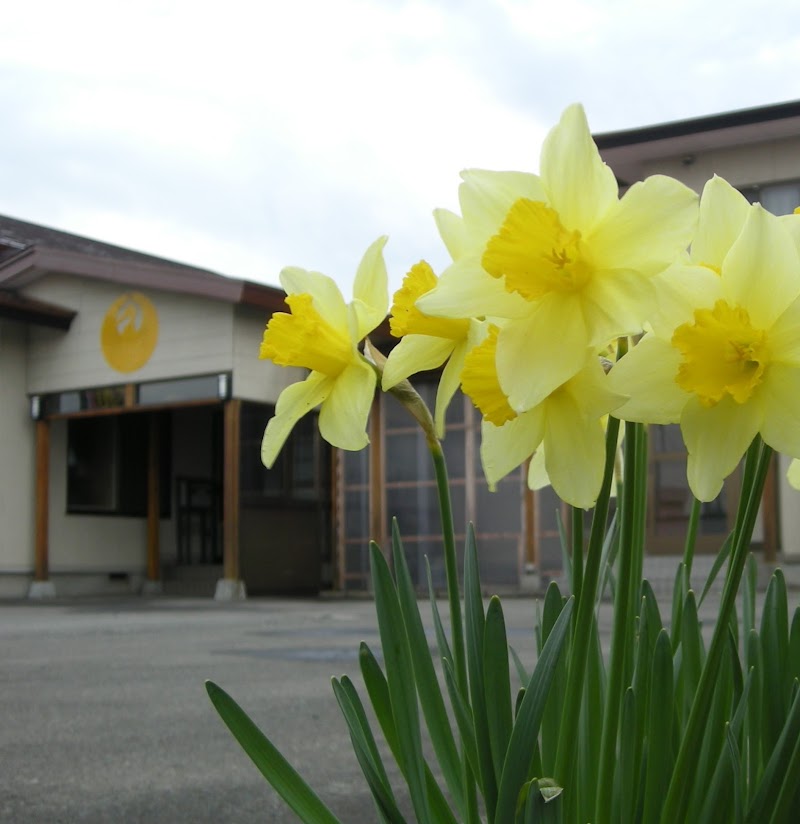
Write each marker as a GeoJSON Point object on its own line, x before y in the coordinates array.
{"type": "Point", "coordinates": [322, 333]}
{"type": "Point", "coordinates": [567, 423]}
{"type": "Point", "coordinates": [574, 261]}
{"type": "Point", "coordinates": [426, 342]}
{"type": "Point", "coordinates": [723, 360]}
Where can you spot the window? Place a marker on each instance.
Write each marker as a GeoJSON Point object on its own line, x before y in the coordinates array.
{"type": "Point", "coordinates": [778, 198]}
{"type": "Point", "coordinates": [107, 465]}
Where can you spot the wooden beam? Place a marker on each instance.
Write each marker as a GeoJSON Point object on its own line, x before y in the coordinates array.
{"type": "Point", "coordinates": [153, 502]}
{"type": "Point", "coordinates": [230, 489]}
{"type": "Point", "coordinates": [41, 567]}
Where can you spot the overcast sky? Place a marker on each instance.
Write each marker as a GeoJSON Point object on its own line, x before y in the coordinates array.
{"type": "Point", "coordinates": [246, 136]}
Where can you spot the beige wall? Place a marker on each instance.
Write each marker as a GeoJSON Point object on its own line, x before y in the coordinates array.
{"type": "Point", "coordinates": [254, 379]}
{"type": "Point", "coordinates": [195, 337]}
{"type": "Point", "coordinates": [762, 163]}
{"type": "Point", "coordinates": [17, 453]}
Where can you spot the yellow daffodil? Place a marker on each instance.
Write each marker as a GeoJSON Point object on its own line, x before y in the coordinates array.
{"type": "Point", "coordinates": [322, 333]}
{"type": "Point", "coordinates": [567, 424]}
{"type": "Point", "coordinates": [427, 342]}
{"type": "Point", "coordinates": [723, 359]}
{"type": "Point", "coordinates": [574, 261]}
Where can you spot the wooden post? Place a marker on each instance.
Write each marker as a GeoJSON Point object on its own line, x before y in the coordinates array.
{"type": "Point", "coordinates": [153, 502]}
{"type": "Point", "coordinates": [41, 565]}
{"type": "Point", "coordinates": [230, 490]}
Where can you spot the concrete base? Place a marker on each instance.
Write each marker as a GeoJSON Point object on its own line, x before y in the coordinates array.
{"type": "Point", "coordinates": [230, 590]}
{"type": "Point", "coordinates": [152, 587]}
{"type": "Point", "coordinates": [41, 590]}
{"type": "Point", "coordinates": [531, 581]}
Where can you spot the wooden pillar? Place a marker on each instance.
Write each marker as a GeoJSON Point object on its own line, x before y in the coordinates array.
{"type": "Point", "coordinates": [153, 502]}
{"type": "Point", "coordinates": [41, 563]}
{"type": "Point", "coordinates": [230, 489]}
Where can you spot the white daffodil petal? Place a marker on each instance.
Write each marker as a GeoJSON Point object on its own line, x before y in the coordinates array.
{"type": "Point", "coordinates": [679, 291]}
{"type": "Point", "coordinates": [453, 232]}
{"type": "Point", "coordinates": [647, 376]}
{"type": "Point", "coordinates": [723, 212]}
{"type": "Point", "coordinates": [716, 437]}
{"type": "Point", "coordinates": [414, 353]}
{"type": "Point", "coordinates": [326, 297]}
{"type": "Point", "coordinates": [504, 448]}
{"type": "Point", "coordinates": [448, 384]}
{"type": "Point", "coordinates": [616, 304]}
{"type": "Point", "coordinates": [780, 396]}
{"type": "Point", "coordinates": [784, 337]}
{"type": "Point", "coordinates": [465, 290]}
{"type": "Point", "coordinates": [544, 350]}
{"type": "Point", "coordinates": [343, 417]}
{"type": "Point", "coordinates": [578, 184]}
{"type": "Point", "coordinates": [296, 400]}
{"type": "Point", "coordinates": [537, 472]}
{"type": "Point", "coordinates": [762, 269]}
{"type": "Point", "coordinates": [574, 451]}
{"type": "Point", "coordinates": [647, 229]}
{"type": "Point", "coordinates": [486, 196]}
{"type": "Point", "coordinates": [371, 287]}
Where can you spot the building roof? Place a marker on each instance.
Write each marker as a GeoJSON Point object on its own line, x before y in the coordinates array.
{"type": "Point", "coordinates": [28, 251]}
{"type": "Point", "coordinates": [628, 149]}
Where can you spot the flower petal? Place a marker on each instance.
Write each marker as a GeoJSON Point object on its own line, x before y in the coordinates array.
{"type": "Point", "coordinates": [486, 197]}
{"type": "Point", "coordinates": [647, 229]}
{"type": "Point", "coordinates": [780, 397]}
{"type": "Point", "coordinates": [723, 212]}
{"type": "Point", "coordinates": [537, 354]}
{"type": "Point", "coordinates": [617, 303]}
{"type": "Point", "coordinates": [343, 417]}
{"type": "Point", "coordinates": [448, 384]}
{"type": "Point", "coordinates": [326, 297]}
{"type": "Point", "coordinates": [578, 184]}
{"type": "Point", "coordinates": [762, 269]}
{"type": "Point", "coordinates": [574, 451]}
{"type": "Point", "coordinates": [371, 288]}
{"type": "Point", "coordinates": [465, 290]}
{"type": "Point", "coordinates": [295, 401]}
{"type": "Point", "coordinates": [716, 437]}
{"type": "Point", "coordinates": [537, 473]}
{"type": "Point", "coordinates": [784, 337]}
{"type": "Point", "coordinates": [454, 234]}
{"type": "Point", "coordinates": [679, 291]}
{"type": "Point", "coordinates": [504, 448]}
{"type": "Point", "coordinates": [647, 375]}
{"type": "Point", "coordinates": [414, 353]}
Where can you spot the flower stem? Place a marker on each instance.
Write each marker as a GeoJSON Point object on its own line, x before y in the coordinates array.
{"type": "Point", "coordinates": [756, 468]}
{"type": "Point", "coordinates": [691, 537]}
{"type": "Point", "coordinates": [567, 735]}
{"type": "Point", "coordinates": [620, 637]}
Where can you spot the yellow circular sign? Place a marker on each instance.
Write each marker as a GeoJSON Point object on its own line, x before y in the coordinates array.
{"type": "Point", "coordinates": [129, 332]}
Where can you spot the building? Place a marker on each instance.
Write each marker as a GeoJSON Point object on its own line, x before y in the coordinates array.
{"type": "Point", "coordinates": [133, 406]}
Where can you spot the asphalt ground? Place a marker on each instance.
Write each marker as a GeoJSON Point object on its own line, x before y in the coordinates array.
{"type": "Point", "coordinates": [105, 718]}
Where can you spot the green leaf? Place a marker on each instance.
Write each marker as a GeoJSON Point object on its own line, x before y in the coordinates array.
{"type": "Point", "coordinates": [526, 726]}
{"type": "Point", "coordinates": [522, 673]}
{"type": "Point", "coordinates": [464, 720]}
{"type": "Point", "coordinates": [497, 683]}
{"type": "Point", "coordinates": [659, 730]}
{"type": "Point", "coordinates": [367, 755]}
{"type": "Point", "coordinates": [736, 769]}
{"type": "Point", "coordinates": [692, 655]}
{"type": "Point", "coordinates": [400, 677]}
{"type": "Point", "coordinates": [430, 695]}
{"type": "Point", "coordinates": [475, 622]}
{"type": "Point", "coordinates": [722, 557]}
{"type": "Point", "coordinates": [628, 765]}
{"type": "Point", "coordinates": [553, 606]}
{"type": "Point", "coordinates": [774, 651]}
{"type": "Point", "coordinates": [273, 766]}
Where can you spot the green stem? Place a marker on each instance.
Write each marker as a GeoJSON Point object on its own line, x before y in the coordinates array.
{"type": "Point", "coordinates": [622, 625]}
{"type": "Point", "coordinates": [567, 735]}
{"type": "Point", "coordinates": [576, 519]}
{"type": "Point", "coordinates": [691, 537]}
{"type": "Point", "coordinates": [756, 469]}
{"type": "Point", "coordinates": [450, 562]}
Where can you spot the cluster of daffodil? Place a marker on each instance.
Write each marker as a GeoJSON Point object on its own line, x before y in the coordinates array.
{"type": "Point", "coordinates": [565, 310]}
{"type": "Point", "coordinates": [548, 271]}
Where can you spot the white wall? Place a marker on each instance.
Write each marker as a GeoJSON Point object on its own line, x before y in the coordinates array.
{"type": "Point", "coordinates": [761, 163]}
{"type": "Point", "coordinates": [17, 454]}
{"type": "Point", "coordinates": [254, 379]}
{"type": "Point", "coordinates": [195, 337]}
